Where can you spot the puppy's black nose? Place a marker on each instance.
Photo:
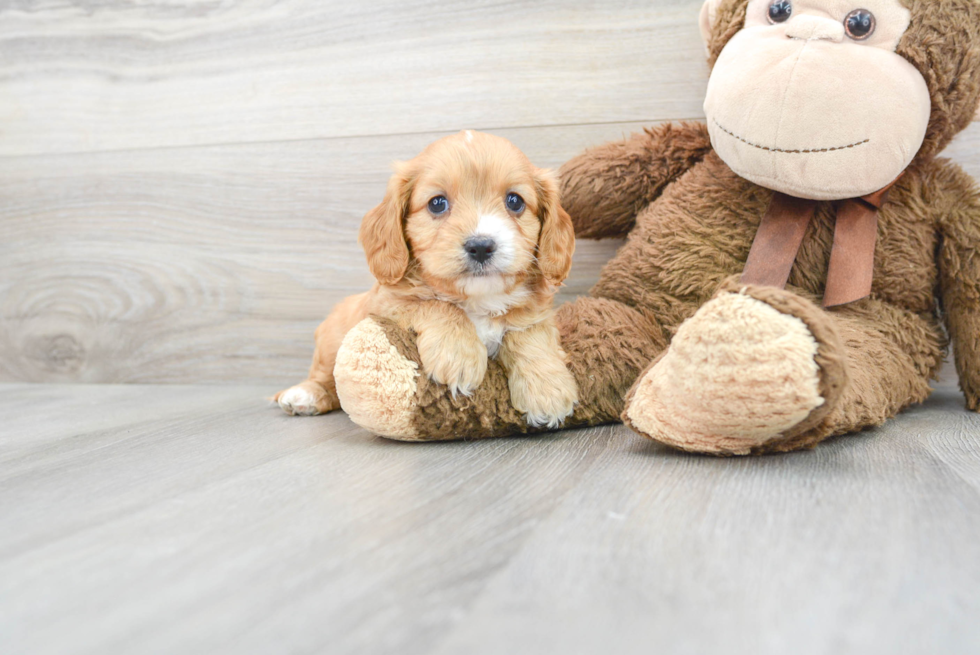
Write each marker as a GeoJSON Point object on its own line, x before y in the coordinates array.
{"type": "Point", "coordinates": [480, 249]}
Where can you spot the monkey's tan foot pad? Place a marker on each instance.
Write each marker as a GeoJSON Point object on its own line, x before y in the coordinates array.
{"type": "Point", "coordinates": [382, 386]}
{"type": "Point", "coordinates": [741, 376]}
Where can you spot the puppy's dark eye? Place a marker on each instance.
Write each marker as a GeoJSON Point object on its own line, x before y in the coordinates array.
{"type": "Point", "coordinates": [780, 11]}
{"type": "Point", "coordinates": [860, 24]}
{"type": "Point", "coordinates": [438, 206]}
{"type": "Point", "coordinates": [515, 203]}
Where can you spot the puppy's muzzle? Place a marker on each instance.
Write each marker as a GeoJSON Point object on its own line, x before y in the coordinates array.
{"type": "Point", "coordinates": [480, 249]}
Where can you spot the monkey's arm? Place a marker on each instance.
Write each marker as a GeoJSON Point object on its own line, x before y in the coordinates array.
{"type": "Point", "coordinates": [605, 187]}
{"type": "Point", "coordinates": [959, 263]}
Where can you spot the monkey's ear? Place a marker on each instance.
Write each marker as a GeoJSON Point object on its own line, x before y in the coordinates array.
{"type": "Point", "coordinates": [707, 20]}
{"type": "Point", "coordinates": [383, 232]}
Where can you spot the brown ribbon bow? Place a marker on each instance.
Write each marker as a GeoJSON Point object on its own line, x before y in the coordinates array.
{"type": "Point", "coordinates": [851, 261]}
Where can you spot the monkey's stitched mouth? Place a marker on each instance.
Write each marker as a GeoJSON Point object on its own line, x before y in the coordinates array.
{"type": "Point", "coordinates": [790, 152]}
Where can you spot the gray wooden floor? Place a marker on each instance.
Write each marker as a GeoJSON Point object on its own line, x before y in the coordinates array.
{"type": "Point", "coordinates": [183, 519]}
{"type": "Point", "coordinates": [182, 183]}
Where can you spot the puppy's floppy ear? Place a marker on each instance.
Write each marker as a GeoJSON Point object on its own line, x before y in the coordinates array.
{"type": "Point", "coordinates": [556, 244]}
{"type": "Point", "coordinates": [382, 232]}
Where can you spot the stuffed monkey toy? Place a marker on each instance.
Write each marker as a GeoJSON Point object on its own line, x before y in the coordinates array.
{"type": "Point", "coordinates": [794, 269]}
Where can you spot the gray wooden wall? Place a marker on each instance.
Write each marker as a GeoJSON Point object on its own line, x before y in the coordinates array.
{"type": "Point", "coordinates": [181, 181]}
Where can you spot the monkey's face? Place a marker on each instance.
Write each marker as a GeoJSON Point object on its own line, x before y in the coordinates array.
{"type": "Point", "coordinates": [811, 99]}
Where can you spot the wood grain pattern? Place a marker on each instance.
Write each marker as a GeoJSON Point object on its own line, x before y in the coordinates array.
{"type": "Point", "coordinates": [965, 150]}
{"type": "Point", "coordinates": [209, 264]}
{"type": "Point", "coordinates": [127, 261]}
{"type": "Point", "coordinates": [118, 75]}
{"type": "Point", "coordinates": [110, 75]}
{"type": "Point", "coordinates": [173, 519]}
{"type": "Point", "coordinates": [180, 186]}
{"type": "Point", "coordinates": [856, 547]}
{"type": "Point", "coordinates": [216, 263]}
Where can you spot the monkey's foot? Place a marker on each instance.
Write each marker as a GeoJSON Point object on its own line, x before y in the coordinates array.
{"type": "Point", "coordinates": [752, 371]}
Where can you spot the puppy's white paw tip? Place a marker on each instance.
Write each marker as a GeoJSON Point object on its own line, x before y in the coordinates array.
{"type": "Point", "coordinates": [298, 402]}
{"type": "Point", "coordinates": [550, 421]}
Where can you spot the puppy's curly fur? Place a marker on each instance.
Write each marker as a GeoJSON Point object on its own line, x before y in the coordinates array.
{"type": "Point", "coordinates": [464, 308]}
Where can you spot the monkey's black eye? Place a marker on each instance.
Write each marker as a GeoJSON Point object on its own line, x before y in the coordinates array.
{"type": "Point", "coordinates": [860, 24]}
{"type": "Point", "coordinates": [515, 203]}
{"type": "Point", "coordinates": [438, 206]}
{"type": "Point", "coordinates": [780, 11]}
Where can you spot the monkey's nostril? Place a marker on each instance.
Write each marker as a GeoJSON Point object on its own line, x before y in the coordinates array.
{"type": "Point", "coordinates": [480, 249]}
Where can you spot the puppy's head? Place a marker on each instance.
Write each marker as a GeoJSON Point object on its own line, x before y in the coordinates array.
{"type": "Point", "coordinates": [469, 211]}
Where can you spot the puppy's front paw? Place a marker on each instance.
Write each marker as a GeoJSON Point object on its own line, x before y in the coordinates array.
{"type": "Point", "coordinates": [459, 364]}
{"type": "Point", "coordinates": [545, 397]}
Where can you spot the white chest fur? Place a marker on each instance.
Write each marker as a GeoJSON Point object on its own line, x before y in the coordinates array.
{"type": "Point", "coordinates": [490, 330]}
{"type": "Point", "coordinates": [487, 310]}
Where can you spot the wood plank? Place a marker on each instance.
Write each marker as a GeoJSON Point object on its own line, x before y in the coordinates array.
{"type": "Point", "coordinates": [102, 409]}
{"type": "Point", "coordinates": [965, 150]}
{"type": "Point", "coordinates": [121, 75]}
{"type": "Point", "coordinates": [239, 529]}
{"type": "Point", "coordinates": [235, 529]}
{"type": "Point", "coordinates": [117, 75]}
{"type": "Point", "coordinates": [869, 544]}
{"type": "Point", "coordinates": [211, 264]}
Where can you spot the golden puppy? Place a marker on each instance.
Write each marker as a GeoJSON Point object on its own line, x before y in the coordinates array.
{"type": "Point", "coordinates": [468, 246]}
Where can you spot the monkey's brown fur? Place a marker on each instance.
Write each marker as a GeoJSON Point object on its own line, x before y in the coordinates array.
{"type": "Point", "coordinates": [690, 222]}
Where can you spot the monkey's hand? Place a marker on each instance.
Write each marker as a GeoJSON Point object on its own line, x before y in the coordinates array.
{"type": "Point", "coordinates": [605, 187]}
